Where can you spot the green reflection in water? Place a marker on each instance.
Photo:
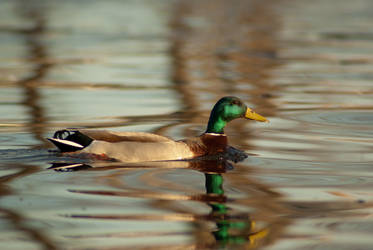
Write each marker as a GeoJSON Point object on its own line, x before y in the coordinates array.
{"type": "Point", "coordinates": [230, 229]}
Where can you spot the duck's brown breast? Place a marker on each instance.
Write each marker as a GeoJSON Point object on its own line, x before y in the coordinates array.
{"type": "Point", "coordinates": [207, 144]}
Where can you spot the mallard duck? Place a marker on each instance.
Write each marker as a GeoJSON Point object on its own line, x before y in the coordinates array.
{"type": "Point", "coordinates": [141, 147]}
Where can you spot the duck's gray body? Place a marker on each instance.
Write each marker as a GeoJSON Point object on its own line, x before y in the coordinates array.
{"type": "Point", "coordinates": [126, 146]}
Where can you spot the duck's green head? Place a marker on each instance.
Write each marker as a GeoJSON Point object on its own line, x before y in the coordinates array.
{"type": "Point", "coordinates": [227, 109]}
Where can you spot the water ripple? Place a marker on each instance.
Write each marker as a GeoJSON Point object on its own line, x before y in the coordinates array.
{"type": "Point", "coordinates": [356, 119]}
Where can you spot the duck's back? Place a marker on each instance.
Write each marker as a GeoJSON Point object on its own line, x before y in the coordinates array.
{"type": "Point", "coordinates": [110, 136]}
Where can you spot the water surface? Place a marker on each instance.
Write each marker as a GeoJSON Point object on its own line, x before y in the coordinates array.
{"type": "Point", "coordinates": [159, 66]}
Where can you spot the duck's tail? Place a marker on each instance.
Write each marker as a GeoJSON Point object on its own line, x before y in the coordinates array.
{"type": "Point", "coordinates": [70, 140]}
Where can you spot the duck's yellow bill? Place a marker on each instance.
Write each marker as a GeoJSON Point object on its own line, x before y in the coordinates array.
{"type": "Point", "coordinates": [254, 116]}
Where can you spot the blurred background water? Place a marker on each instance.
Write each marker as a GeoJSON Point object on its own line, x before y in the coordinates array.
{"type": "Point", "coordinates": [159, 66]}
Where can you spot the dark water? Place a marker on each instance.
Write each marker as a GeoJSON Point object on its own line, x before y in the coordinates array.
{"type": "Point", "coordinates": [159, 66]}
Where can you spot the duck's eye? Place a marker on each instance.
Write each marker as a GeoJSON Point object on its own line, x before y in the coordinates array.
{"type": "Point", "coordinates": [235, 102]}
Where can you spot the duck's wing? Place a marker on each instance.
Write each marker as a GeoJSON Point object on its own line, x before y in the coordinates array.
{"type": "Point", "coordinates": [70, 140]}
{"type": "Point", "coordinates": [113, 136]}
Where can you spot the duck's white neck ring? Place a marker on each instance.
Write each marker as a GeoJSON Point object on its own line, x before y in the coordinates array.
{"type": "Point", "coordinates": [215, 134]}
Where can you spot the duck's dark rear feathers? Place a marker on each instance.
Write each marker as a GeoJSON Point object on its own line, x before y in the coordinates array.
{"type": "Point", "coordinates": [70, 141]}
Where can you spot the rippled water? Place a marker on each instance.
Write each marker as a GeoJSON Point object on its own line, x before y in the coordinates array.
{"type": "Point", "coordinates": [159, 66]}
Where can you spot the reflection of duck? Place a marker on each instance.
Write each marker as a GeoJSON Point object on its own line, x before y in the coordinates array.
{"type": "Point", "coordinates": [219, 164]}
{"type": "Point", "coordinates": [135, 146]}
{"type": "Point", "coordinates": [230, 229]}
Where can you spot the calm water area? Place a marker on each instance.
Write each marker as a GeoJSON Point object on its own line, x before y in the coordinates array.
{"type": "Point", "coordinates": [159, 66]}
